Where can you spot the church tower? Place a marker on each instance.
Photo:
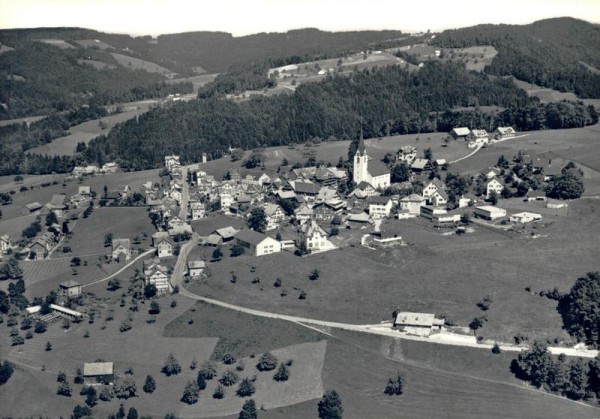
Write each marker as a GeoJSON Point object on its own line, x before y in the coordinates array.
{"type": "Point", "coordinates": [361, 163]}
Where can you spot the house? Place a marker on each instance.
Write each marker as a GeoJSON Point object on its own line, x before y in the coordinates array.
{"type": "Point", "coordinates": [303, 213]}
{"type": "Point", "coordinates": [466, 201]}
{"type": "Point", "coordinates": [420, 165]}
{"type": "Point", "coordinates": [430, 212]}
{"type": "Point", "coordinates": [538, 195]}
{"type": "Point", "coordinates": [177, 226]}
{"type": "Point", "coordinates": [38, 250]}
{"type": "Point", "coordinates": [369, 170]}
{"type": "Point", "coordinates": [84, 191]}
{"type": "Point", "coordinates": [315, 238]}
{"type": "Point", "coordinates": [460, 133]}
{"type": "Point", "coordinates": [4, 244]}
{"type": "Point", "coordinates": [549, 165]}
{"type": "Point", "coordinates": [69, 288]}
{"type": "Point", "coordinates": [380, 206]}
{"type": "Point", "coordinates": [274, 215]}
{"type": "Point", "coordinates": [195, 268]}
{"type": "Point", "coordinates": [98, 373]}
{"type": "Point", "coordinates": [524, 217]}
{"type": "Point", "coordinates": [33, 208]}
{"type": "Point", "coordinates": [226, 200]}
{"type": "Point", "coordinates": [110, 167]}
{"type": "Point", "coordinates": [412, 203]}
{"type": "Point", "coordinates": [493, 185]}
{"type": "Point", "coordinates": [257, 244]}
{"type": "Point", "coordinates": [432, 187]}
{"type": "Point", "coordinates": [227, 234]}
{"type": "Point", "coordinates": [421, 324]}
{"type": "Point", "coordinates": [171, 161]}
{"type": "Point", "coordinates": [504, 132]}
{"type": "Point", "coordinates": [478, 137]}
{"type": "Point", "coordinates": [158, 276]}
{"type": "Point", "coordinates": [57, 204]}
{"type": "Point", "coordinates": [308, 189]}
{"type": "Point", "coordinates": [363, 190]}
{"type": "Point", "coordinates": [407, 154]}
{"type": "Point", "coordinates": [121, 248]}
{"type": "Point", "coordinates": [489, 212]}
{"type": "Point", "coordinates": [164, 248]}
{"type": "Point", "coordinates": [359, 217]}
{"type": "Point", "coordinates": [198, 210]}
{"type": "Point", "coordinates": [438, 198]}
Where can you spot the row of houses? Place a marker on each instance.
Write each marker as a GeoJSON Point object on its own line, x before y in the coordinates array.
{"type": "Point", "coordinates": [478, 137]}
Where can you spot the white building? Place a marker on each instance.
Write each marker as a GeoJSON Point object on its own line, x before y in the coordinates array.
{"type": "Point", "coordinates": [257, 244]}
{"type": "Point", "coordinates": [315, 238]}
{"type": "Point", "coordinates": [171, 161]}
{"type": "Point", "coordinates": [407, 154]}
{"type": "Point", "coordinates": [4, 244]}
{"type": "Point", "coordinates": [525, 217]}
{"type": "Point", "coordinates": [489, 212]}
{"type": "Point", "coordinates": [493, 185]}
{"type": "Point", "coordinates": [195, 268]}
{"type": "Point", "coordinates": [164, 248]}
{"type": "Point", "coordinates": [198, 210]}
{"type": "Point", "coordinates": [158, 276]}
{"type": "Point", "coordinates": [368, 170]}
{"type": "Point", "coordinates": [412, 203]}
{"type": "Point", "coordinates": [226, 201]}
{"type": "Point", "coordinates": [421, 324]}
{"type": "Point", "coordinates": [380, 206]}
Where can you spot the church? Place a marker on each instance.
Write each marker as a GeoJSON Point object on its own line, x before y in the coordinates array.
{"type": "Point", "coordinates": [368, 170]}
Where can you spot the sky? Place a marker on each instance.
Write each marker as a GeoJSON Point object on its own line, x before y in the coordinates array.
{"type": "Point", "coordinates": [243, 17]}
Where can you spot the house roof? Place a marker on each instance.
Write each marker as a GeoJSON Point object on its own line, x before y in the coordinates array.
{"type": "Point", "coordinates": [286, 194]}
{"type": "Point", "coordinates": [461, 131]}
{"type": "Point", "coordinates": [364, 185]}
{"type": "Point", "coordinates": [304, 210]}
{"type": "Point", "coordinates": [380, 200]}
{"type": "Point", "coordinates": [97, 368]}
{"type": "Point", "coordinates": [415, 319]}
{"type": "Point", "coordinates": [419, 164]}
{"type": "Point", "coordinates": [361, 217]}
{"type": "Point", "coordinates": [271, 208]}
{"type": "Point", "coordinates": [251, 236]}
{"type": "Point", "coordinates": [121, 242]}
{"type": "Point", "coordinates": [306, 188]}
{"type": "Point", "coordinates": [69, 284]}
{"type": "Point", "coordinates": [33, 206]}
{"type": "Point", "coordinates": [407, 149]}
{"type": "Point", "coordinates": [196, 264]}
{"type": "Point", "coordinates": [438, 184]}
{"type": "Point", "coordinates": [413, 198]}
{"type": "Point", "coordinates": [377, 168]}
{"type": "Point", "coordinates": [226, 232]}
{"type": "Point", "coordinates": [506, 130]}
{"type": "Point", "coordinates": [213, 239]}
{"type": "Point", "coordinates": [479, 133]}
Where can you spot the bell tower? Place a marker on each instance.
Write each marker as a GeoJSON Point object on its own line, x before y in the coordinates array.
{"type": "Point", "coordinates": [361, 162]}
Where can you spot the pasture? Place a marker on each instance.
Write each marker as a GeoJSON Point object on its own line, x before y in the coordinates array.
{"type": "Point", "coordinates": [122, 222]}
{"type": "Point", "coordinates": [545, 94]}
{"type": "Point", "coordinates": [58, 43]}
{"type": "Point", "coordinates": [98, 65]}
{"type": "Point", "coordinates": [84, 132]}
{"type": "Point", "coordinates": [446, 275]}
{"type": "Point", "coordinates": [197, 81]}
{"type": "Point", "coordinates": [138, 64]}
{"type": "Point", "coordinates": [27, 120]}
{"type": "Point", "coordinates": [94, 43]}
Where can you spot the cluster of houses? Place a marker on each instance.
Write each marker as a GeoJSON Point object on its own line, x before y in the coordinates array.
{"type": "Point", "coordinates": [94, 169]}
{"type": "Point", "coordinates": [479, 137]}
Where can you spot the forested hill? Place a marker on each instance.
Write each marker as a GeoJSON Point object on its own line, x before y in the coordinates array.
{"type": "Point", "coordinates": [561, 53]}
{"type": "Point", "coordinates": [388, 101]}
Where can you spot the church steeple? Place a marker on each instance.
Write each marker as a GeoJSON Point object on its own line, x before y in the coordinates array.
{"type": "Point", "coordinates": [361, 144]}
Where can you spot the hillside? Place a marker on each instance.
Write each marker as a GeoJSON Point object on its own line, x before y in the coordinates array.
{"type": "Point", "coordinates": [559, 53]}
{"type": "Point", "coordinates": [385, 101]}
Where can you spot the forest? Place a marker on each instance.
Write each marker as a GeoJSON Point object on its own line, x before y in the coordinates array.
{"type": "Point", "coordinates": [382, 101]}
{"type": "Point", "coordinates": [37, 79]}
{"type": "Point", "coordinates": [553, 53]}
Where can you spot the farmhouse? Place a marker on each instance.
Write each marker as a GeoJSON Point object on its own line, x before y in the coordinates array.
{"type": "Point", "coordinates": [39, 249]}
{"type": "Point", "coordinates": [121, 248]}
{"type": "Point", "coordinates": [316, 238]}
{"type": "Point", "coordinates": [412, 203]}
{"type": "Point", "coordinates": [363, 190]}
{"type": "Point", "coordinates": [504, 132]}
{"type": "Point", "coordinates": [157, 275]}
{"type": "Point", "coordinates": [110, 167]}
{"type": "Point", "coordinates": [171, 161]}
{"type": "Point", "coordinates": [303, 213]}
{"type": "Point", "coordinates": [274, 214]}
{"type": "Point", "coordinates": [460, 133]}
{"type": "Point", "coordinates": [257, 243]}
{"type": "Point", "coordinates": [98, 373]}
{"type": "Point", "coordinates": [420, 165]}
{"type": "Point", "coordinates": [489, 212]}
{"type": "Point", "coordinates": [164, 248]}
{"type": "Point", "coordinates": [195, 268]}
{"type": "Point", "coordinates": [524, 217]}
{"type": "Point", "coordinates": [177, 226]}
{"type": "Point", "coordinates": [380, 206]}
{"type": "Point", "coordinates": [493, 186]}
{"type": "Point", "coordinates": [69, 288]}
{"type": "Point", "coordinates": [421, 324]}
{"type": "Point", "coordinates": [368, 170]}
{"type": "Point", "coordinates": [226, 201]}
{"type": "Point", "coordinates": [432, 187]}
{"type": "Point", "coordinates": [406, 154]}
{"type": "Point", "coordinates": [198, 210]}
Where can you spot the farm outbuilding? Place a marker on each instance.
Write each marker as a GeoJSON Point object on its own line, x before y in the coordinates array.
{"type": "Point", "coordinates": [422, 324]}
{"type": "Point", "coordinates": [98, 373]}
{"type": "Point", "coordinates": [489, 212]}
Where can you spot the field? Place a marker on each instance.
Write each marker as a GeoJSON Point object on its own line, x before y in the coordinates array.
{"type": "Point", "coordinates": [447, 275]}
{"type": "Point", "coordinates": [543, 93]}
{"type": "Point", "coordinates": [126, 222]}
{"type": "Point", "coordinates": [98, 65]}
{"type": "Point", "coordinates": [85, 132]}
{"type": "Point", "coordinates": [27, 120]}
{"type": "Point", "coordinates": [58, 43]}
{"type": "Point", "coordinates": [93, 43]}
{"type": "Point", "coordinates": [139, 64]}
{"type": "Point", "coordinates": [197, 81]}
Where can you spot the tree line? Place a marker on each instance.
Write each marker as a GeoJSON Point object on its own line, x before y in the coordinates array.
{"type": "Point", "coordinates": [380, 102]}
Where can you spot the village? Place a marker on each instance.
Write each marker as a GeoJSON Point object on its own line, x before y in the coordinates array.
{"type": "Point", "coordinates": [304, 210]}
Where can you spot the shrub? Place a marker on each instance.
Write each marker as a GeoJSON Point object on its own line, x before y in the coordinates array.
{"type": "Point", "coordinates": [106, 394]}
{"type": "Point", "coordinates": [208, 370]}
{"type": "Point", "coordinates": [228, 359]}
{"type": "Point", "coordinates": [248, 410]}
{"type": "Point", "coordinates": [149, 384]}
{"type": "Point", "coordinates": [496, 349]}
{"type": "Point", "coordinates": [6, 371]}
{"type": "Point", "coordinates": [395, 386]}
{"type": "Point", "coordinates": [126, 389]}
{"type": "Point", "coordinates": [219, 392]}
{"type": "Point", "coordinates": [267, 362]}
{"type": "Point", "coordinates": [17, 340]}
{"type": "Point", "coordinates": [40, 327]}
{"type": "Point", "coordinates": [171, 366]}
{"type": "Point", "coordinates": [190, 393]}
{"type": "Point", "coordinates": [64, 389]}
{"type": "Point", "coordinates": [125, 326]}
{"type": "Point", "coordinates": [314, 275]}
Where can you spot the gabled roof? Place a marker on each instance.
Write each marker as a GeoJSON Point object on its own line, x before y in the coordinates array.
{"type": "Point", "coordinates": [379, 200]}
{"type": "Point", "coordinates": [121, 242]}
{"type": "Point", "coordinates": [461, 131]}
{"type": "Point", "coordinates": [441, 193]}
{"type": "Point", "coordinates": [364, 185]}
{"type": "Point", "coordinates": [33, 206]}
{"type": "Point", "coordinates": [271, 209]}
{"type": "Point", "coordinates": [419, 164]}
{"type": "Point", "coordinates": [251, 236]}
{"type": "Point", "coordinates": [69, 284]}
{"type": "Point", "coordinates": [413, 198]}
{"type": "Point", "coordinates": [226, 232]}
{"type": "Point", "coordinates": [506, 130]}
{"type": "Point", "coordinates": [377, 168]}
{"type": "Point", "coordinates": [312, 228]}
{"type": "Point", "coordinates": [494, 179]}
{"type": "Point", "coordinates": [305, 188]}
{"type": "Point", "coordinates": [437, 183]}
{"type": "Point", "coordinates": [196, 264]}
